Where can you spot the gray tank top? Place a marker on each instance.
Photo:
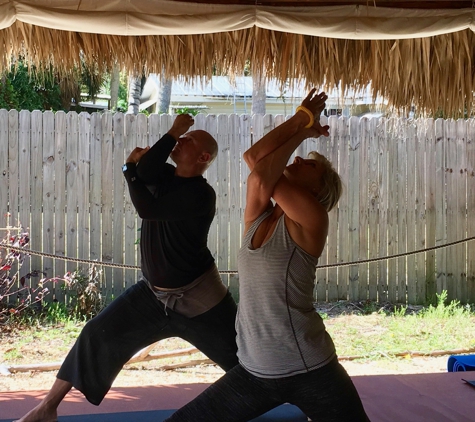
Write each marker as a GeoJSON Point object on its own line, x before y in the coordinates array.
{"type": "Point", "coordinates": [279, 332]}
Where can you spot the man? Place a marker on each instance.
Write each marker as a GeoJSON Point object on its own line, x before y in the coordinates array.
{"type": "Point", "coordinates": [180, 294]}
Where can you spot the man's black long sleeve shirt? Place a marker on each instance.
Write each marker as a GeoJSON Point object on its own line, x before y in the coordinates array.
{"type": "Point", "coordinates": [176, 216]}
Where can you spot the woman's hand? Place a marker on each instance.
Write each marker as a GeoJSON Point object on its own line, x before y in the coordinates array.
{"type": "Point", "coordinates": [318, 130]}
{"type": "Point", "coordinates": [315, 103]}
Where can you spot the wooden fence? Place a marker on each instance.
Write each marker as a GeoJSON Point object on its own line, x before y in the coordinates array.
{"type": "Point", "coordinates": [409, 185]}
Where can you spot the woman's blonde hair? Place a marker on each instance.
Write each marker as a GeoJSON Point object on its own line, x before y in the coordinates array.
{"type": "Point", "coordinates": [332, 187]}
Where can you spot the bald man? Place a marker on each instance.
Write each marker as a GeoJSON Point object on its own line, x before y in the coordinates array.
{"type": "Point", "coordinates": [180, 293]}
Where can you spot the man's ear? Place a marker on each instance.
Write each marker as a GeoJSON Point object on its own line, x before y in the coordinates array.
{"type": "Point", "coordinates": [204, 157]}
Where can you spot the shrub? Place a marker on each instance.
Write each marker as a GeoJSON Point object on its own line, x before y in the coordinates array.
{"type": "Point", "coordinates": [22, 300]}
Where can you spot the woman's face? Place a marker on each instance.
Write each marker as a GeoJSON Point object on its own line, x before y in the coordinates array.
{"type": "Point", "coordinates": [306, 172]}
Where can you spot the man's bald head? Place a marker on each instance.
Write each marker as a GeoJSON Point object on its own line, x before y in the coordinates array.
{"type": "Point", "coordinates": [207, 142]}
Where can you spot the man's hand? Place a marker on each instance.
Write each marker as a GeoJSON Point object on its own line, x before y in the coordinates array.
{"type": "Point", "coordinates": [136, 155]}
{"type": "Point", "coordinates": [181, 125]}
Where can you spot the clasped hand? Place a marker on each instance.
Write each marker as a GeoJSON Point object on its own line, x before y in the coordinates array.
{"type": "Point", "coordinates": [315, 103]}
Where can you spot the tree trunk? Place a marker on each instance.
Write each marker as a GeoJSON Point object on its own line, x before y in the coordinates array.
{"type": "Point", "coordinates": [135, 89]}
{"type": "Point", "coordinates": [165, 95]}
{"type": "Point", "coordinates": [258, 93]}
{"type": "Point", "coordinates": [115, 80]}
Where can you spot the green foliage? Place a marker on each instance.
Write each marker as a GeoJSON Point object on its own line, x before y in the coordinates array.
{"type": "Point", "coordinates": [443, 310]}
{"type": "Point", "coordinates": [122, 105]}
{"type": "Point", "coordinates": [187, 110]}
{"type": "Point", "coordinates": [369, 307]}
{"type": "Point", "coordinates": [25, 89]}
{"type": "Point", "coordinates": [8, 95]}
{"type": "Point", "coordinates": [92, 81]}
{"type": "Point", "coordinates": [54, 312]}
{"type": "Point", "coordinates": [400, 311]}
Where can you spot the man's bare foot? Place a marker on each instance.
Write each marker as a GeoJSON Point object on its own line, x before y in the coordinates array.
{"type": "Point", "coordinates": [40, 414]}
{"type": "Point", "coordinates": [46, 411]}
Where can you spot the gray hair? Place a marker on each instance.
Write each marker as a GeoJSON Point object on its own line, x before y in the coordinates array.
{"type": "Point", "coordinates": [332, 187]}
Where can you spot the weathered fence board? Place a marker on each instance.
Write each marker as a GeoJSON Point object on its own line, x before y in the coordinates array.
{"type": "Point", "coordinates": [95, 191]}
{"type": "Point", "coordinates": [117, 284]}
{"type": "Point", "coordinates": [235, 214]}
{"type": "Point", "coordinates": [364, 211]}
{"type": "Point", "coordinates": [36, 186]}
{"type": "Point", "coordinates": [411, 197]}
{"type": "Point", "coordinates": [392, 213]}
{"type": "Point", "coordinates": [72, 185]}
{"type": "Point", "coordinates": [420, 206]}
{"type": "Point", "coordinates": [471, 209]}
{"type": "Point", "coordinates": [373, 201]}
{"type": "Point", "coordinates": [131, 231]}
{"type": "Point", "coordinates": [440, 203]}
{"type": "Point", "coordinates": [107, 199]}
{"type": "Point", "coordinates": [382, 285]}
{"type": "Point", "coordinates": [352, 158]}
{"type": "Point", "coordinates": [60, 165]}
{"type": "Point", "coordinates": [4, 220]}
{"type": "Point", "coordinates": [332, 247]}
{"type": "Point", "coordinates": [321, 146]}
{"type": "Point", "coordinates": [408, 185]}
{"type": "Point", "coordinates": [452, 201]}
{"type": "Point", "coordinates": [222, 196]}
{"type": "Point", "coordinates": [460, 174]}
{"type": "Point", "coordinates": [13, 177]}
{"type": "Point", "coordinates": [24, 177]}
{"type": "Point", "coordinates": [341, 211]}
{"type": "Point", "coordinates": [48, 183]}
{"type": "Point", "coordinates": [430, 214]}
{"type": "Point", "coordinates": [83, 187]}
{"type": "Point", "coordinates": [402, 206]}
{"type": "Point", "coordinates": [210, 125]}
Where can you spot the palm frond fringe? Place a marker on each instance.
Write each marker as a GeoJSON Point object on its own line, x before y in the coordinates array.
{"type": "Point", "coordinates": [432, 74]}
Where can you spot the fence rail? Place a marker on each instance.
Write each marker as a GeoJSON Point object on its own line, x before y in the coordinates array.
{"type": "Point", "coordinates": [409, 185]}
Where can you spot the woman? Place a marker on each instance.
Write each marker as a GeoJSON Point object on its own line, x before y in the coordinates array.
{"type": "Point", "coordinates": [285, 353]}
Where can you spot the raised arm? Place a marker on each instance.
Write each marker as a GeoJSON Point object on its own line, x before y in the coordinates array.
{"type": "Point", "coordinates": [268, 159]}
{"type": "Point", "coordinates": [153, 159]}
{"type": "Point", "coordinates": [282, 133]}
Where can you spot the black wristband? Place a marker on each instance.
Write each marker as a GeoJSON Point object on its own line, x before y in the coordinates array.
{"type": "Point", "coordinates": [129, 171]}
{"type": "Point", "coordinates": [128, 166]}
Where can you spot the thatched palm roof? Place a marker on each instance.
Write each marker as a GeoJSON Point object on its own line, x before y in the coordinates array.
{"type": "Point", "coordinates": [413, 52]}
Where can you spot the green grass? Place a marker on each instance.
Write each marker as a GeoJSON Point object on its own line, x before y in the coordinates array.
{"type": "Point", "coordinates": [379, 334]}
{"type": "Point", "coordinates": [435, 328]}
{"type": "Point", "coordinates": [38, 343]}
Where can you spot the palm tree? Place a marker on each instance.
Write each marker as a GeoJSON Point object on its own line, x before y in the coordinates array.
{"type": "Point", "coordinates": [258, 92]}
{"type": "Point", "coordinates": [114, 86]}
{"type": "Point", "coordinates": [135, 89]}
{"type": "Point", "coordinates": [164, 94]}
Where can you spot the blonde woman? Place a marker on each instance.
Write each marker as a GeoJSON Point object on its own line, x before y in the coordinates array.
{"type": "Point", "coordinates": [285, 354]}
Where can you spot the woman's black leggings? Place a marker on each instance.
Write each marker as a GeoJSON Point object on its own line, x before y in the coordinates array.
{"type": "Point", "coordinates": [326, 394]}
